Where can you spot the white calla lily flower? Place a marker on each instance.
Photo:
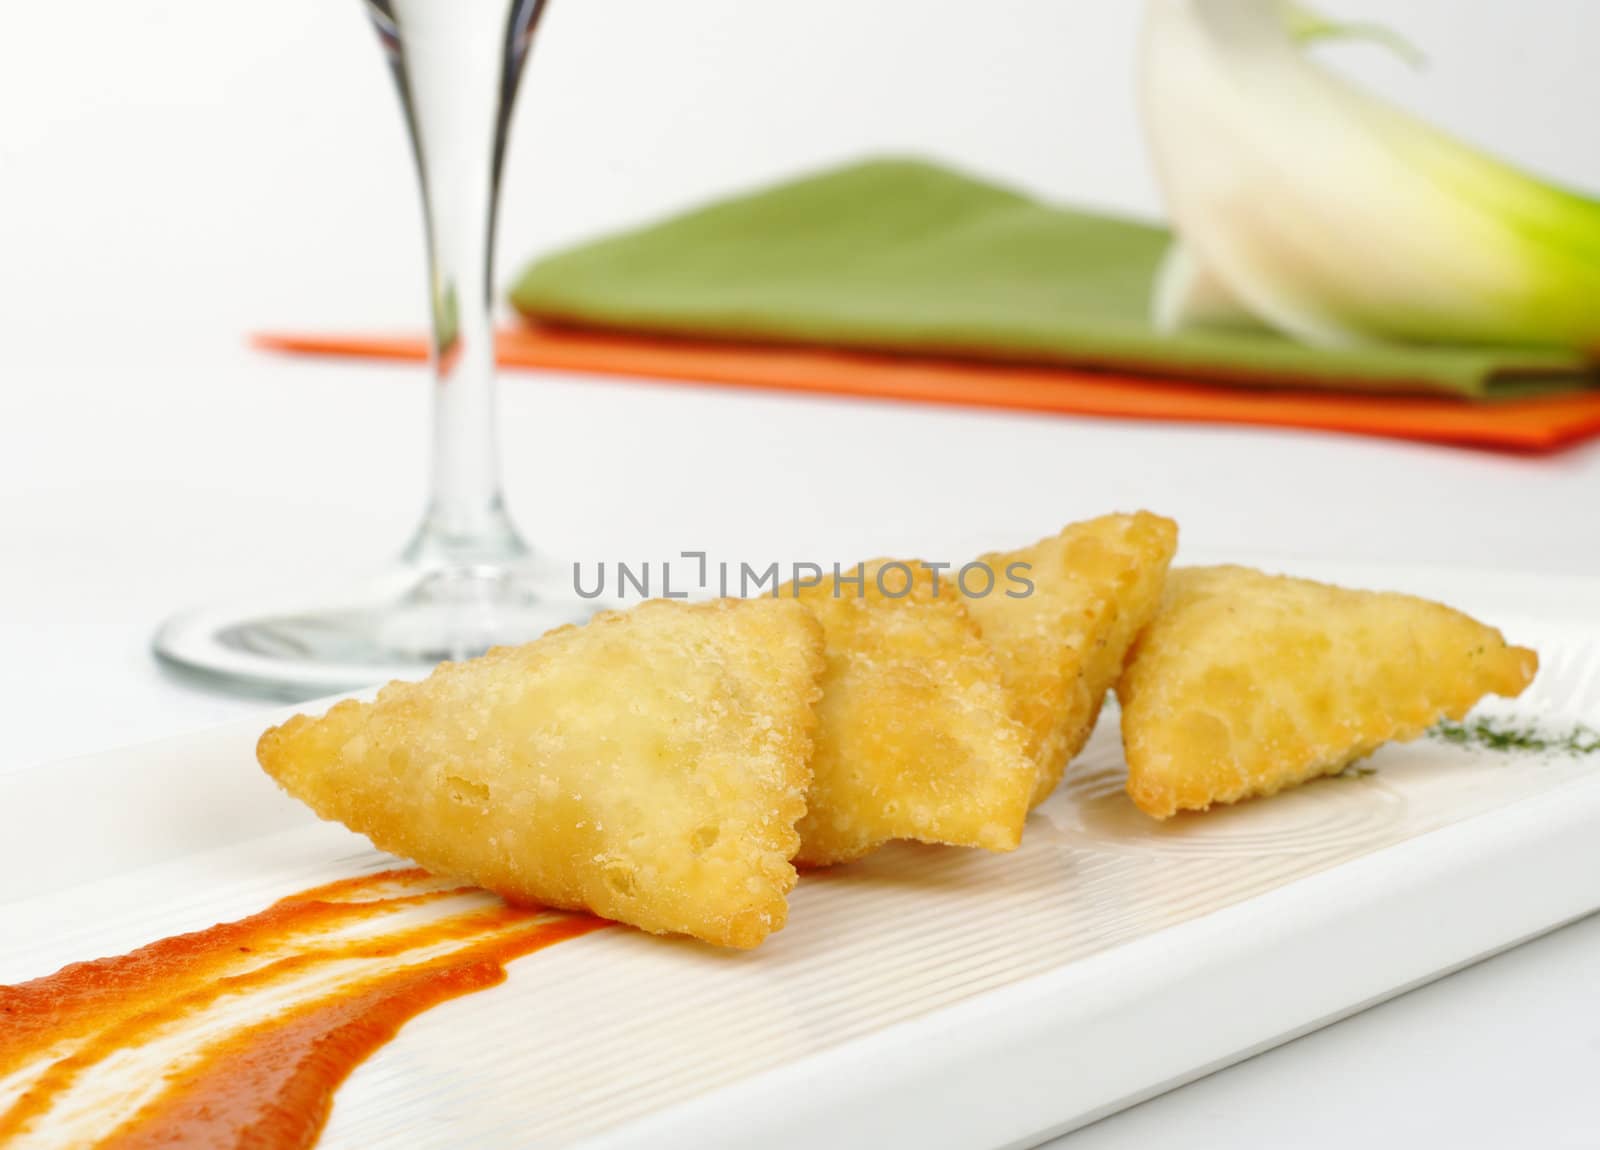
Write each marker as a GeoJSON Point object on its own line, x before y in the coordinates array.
{"type": "Point", "coordinates": [1332, 216]}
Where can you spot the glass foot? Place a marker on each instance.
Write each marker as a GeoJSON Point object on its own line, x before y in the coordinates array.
{"type": "Point", "coordinates": [398, 626]}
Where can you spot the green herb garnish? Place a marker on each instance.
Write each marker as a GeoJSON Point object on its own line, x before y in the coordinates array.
{"type": "Point", "coordinates": [1506, 737]}
{"type": "Point", "coordinates": [1356, 772]}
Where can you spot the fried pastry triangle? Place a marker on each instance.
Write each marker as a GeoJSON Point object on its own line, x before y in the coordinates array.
{"type": "Point", "coordinates": [1061, 646]}
{"type": "Point", "coordinates": [1248, 683]}
{"type": "Point", "coordinates": [916, 739]}
{"type": "Point", "coordinates": [649, 766]}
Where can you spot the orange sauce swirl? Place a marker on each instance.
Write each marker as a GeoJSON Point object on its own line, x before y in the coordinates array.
{"type": "Point", "coordinates": [259, 1021]}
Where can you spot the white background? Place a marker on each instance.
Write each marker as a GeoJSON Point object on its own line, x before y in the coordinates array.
{"type": "Point", "coordinates": [176, 173]}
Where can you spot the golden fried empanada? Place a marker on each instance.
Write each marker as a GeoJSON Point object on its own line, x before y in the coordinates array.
{"type": "Point", "coordinates": [915, 737]}
{"type": "Point", "coordinates": [649, 766]}
{"type": "Point", "coordinates": [1248, 683]}
{"type": "Point", "coordinates": [1061, 647]}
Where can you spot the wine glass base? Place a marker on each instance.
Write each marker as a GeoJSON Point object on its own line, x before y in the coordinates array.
{"type": "Point", "coordinates": [398, 626]}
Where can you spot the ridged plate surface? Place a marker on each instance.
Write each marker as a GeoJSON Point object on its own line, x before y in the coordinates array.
{"type": "Point", "coordinates": [615, 1027]}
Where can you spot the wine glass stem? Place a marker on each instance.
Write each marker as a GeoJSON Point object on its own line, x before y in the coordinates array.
{"type": "Point", "coordinates": [457, 64]}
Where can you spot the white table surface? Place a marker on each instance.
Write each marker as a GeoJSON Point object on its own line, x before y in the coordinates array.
{"type": "Point", "coordinates": [254, 472]}
{"type": "Point", "coordinates": [159, 197]}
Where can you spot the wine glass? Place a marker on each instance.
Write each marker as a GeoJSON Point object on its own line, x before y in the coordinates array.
{"type": "Point", "coordinates": [467, 581]}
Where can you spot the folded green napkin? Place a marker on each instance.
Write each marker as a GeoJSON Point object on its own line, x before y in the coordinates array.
{"type": "Point", "coordinates": [904, 256]}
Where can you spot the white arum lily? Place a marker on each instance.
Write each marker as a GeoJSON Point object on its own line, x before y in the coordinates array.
{"type": "Point", "coordinates": [1318, 209]}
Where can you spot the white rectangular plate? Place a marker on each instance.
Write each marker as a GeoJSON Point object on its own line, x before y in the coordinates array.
{"type": "Point", "coordinates": [926, 997]}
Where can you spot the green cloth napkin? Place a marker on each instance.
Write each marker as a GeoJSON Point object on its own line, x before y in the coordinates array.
{"type": "Point", "coordinates": [905, 256]}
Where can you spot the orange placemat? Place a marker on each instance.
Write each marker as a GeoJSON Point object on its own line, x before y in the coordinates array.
{"type": "Point", "coordinates": [1541, 424]}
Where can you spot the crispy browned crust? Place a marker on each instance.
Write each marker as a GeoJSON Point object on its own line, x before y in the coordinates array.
{"type": "Point", "coordinates": [1061, 648]}
{"type": "Point", "coordinates": [1248, 683]}
{"type": "Point", "coordinates": [649, 766]}
{"type": "Point", "coordinates": [916, 739]}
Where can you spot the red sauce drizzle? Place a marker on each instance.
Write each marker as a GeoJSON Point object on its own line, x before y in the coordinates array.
{"type": "Point", "coordinates": [266, 1082]}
